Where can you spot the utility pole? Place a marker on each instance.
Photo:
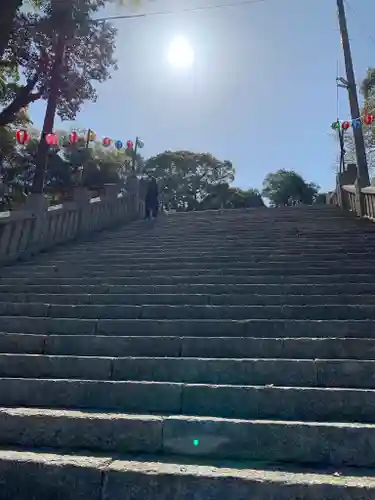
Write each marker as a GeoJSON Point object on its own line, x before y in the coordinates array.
{"type": "Point", "coordinates": [362, 169]}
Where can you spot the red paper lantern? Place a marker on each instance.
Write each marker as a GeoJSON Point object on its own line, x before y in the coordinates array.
{"type": "Point", "coordinates": [106, 141]}
{"type": "Point", "coordinates": [345, 125]}
{"type": "Point", "coordinates": [368, 119]}
{"type": "Point", "coordinates": [51, 139]}
{"type": "Point", "coordinates": [73, 138]}
{"type": "Point", "coordinates": [22, 136]}
{"type": "Point", "coordinates": [129, 144]}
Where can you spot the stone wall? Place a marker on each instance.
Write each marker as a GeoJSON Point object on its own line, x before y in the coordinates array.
{"type": "Point", "coordinates": [38, 227]}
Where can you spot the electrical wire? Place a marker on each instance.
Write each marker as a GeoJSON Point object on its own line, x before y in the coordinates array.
{"type": "Point", "coordinates": [239, 3]}
{"type": "Point", "coordinates": [365, 28]}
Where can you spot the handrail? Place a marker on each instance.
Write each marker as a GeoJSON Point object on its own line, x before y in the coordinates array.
{"type": "Point", "coordinates": [355, 199]}
{"type": "Point", "coordinates": [27, 232]}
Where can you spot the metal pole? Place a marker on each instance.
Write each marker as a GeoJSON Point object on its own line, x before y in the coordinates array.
{"type": "Point", "coordinates": [362, 169]}
{"type": "Point", "coordinates": [134, 155]}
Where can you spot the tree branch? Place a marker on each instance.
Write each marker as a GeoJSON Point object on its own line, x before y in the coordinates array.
{"type": "Point", "coordinates": [23, 97]}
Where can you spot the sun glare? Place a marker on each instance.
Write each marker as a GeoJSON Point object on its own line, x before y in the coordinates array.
{"type": "Point", "coordinates": [180, 53]}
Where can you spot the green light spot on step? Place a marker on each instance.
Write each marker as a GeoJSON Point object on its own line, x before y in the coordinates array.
{"type": "Point", "coordinates": [196, 442]}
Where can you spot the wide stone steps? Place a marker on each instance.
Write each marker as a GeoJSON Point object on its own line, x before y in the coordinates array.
{"type": "Point", "coordinates": [278, 441]}
{"type": "Point", "coordinates": [171, 312]}
{"type": "Point", "coordinates": [189, 347]}
{"type": "Point", "coordinates": [195, 279]}
{"type": "Point", "coordinates": [236, 335]}
{"type": "Point", "coordinates": [191, 327]}
{"type": "Point", "coordinates": [243, 371]}
{"type": "Point", "coordinates": [241, 269]}
{"type": "Point", "coordinates": [24, 290]}
{"type": "Point", "coordinates": [184, 299]}
{"type": "Point", "coordinates": [311, 404]}
{"type": "Point", "coordinates": [71, 477]}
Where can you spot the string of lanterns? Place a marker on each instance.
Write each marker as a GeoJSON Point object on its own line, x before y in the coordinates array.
{"type": "Point", "coordinates": [23, 137]}
{"type": "Point", "coordinates": [367, 119]}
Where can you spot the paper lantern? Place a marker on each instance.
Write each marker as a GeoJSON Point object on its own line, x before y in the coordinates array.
{"type": "Point", "coordinates": [22, 136]}
{"type": "Point", "coordinates": [106, 142]}
{"type": "Point", "coordinates": [73, 138]}
{"type": "Point", "coordinates": [91, 136]}
{"type": "Point", "coordinates": [368, 119]}
{"type": "Point", "coordinates": [345, 125]}
{"type": "Point", "coordinates": [335, 125]}
{"type": "Point", "coordinates": [118, 144]}
{"type": "Point", "coordinates": [140, 143]}
{"type": "Point", "coordinates": [51, 139]}
{"type": "Point", "coordinates": [129, 144]}
{"type": "Point", "coordinates": [356, 123]}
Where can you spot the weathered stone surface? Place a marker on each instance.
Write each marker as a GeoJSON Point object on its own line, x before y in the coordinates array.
{"type": "Point", "coordinates": [22, 343]}
{"type": "Point", "coordinates": [186, 481]}
{"type": "Point", "coordinates": [42, 476]}
{"type": "Point", "coordinates": [42, 366]}
{"type": "Point", "coordinates": [102, 345]}
{"type": "Point", "coordinates": [289, 403]}
{"type": "Point", "coordinates": [123, 396]}
{"type": "Point", "coordinates": [217, 371]}
{"type": "Point", "coordinates": [74, 430]}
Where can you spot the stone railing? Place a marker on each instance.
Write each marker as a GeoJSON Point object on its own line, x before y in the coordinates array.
{"type": "Point", "coordinates": [38, 227]}
{"type": "Point", "coordinates": [350, 196]}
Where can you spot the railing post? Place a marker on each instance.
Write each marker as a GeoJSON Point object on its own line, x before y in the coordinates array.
{"type": "Point", "coordinates": [359, 199]}
{"type": "Point", "coordinates": [37, 204]}
{"type": "Point", "coordinates": [82, 198]}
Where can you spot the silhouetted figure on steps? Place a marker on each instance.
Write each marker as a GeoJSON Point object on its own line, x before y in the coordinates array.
{"type": "Point", "coordinates": [152, 200]}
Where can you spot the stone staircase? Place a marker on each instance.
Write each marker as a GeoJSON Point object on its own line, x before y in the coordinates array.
{"type": "Point", "coordinates": [214, 355]}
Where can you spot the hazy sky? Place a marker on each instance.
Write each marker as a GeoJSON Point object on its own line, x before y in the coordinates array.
{"type": "Point", "coordinates": [261, 92]}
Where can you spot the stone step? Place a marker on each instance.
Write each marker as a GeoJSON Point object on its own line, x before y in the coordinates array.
{"type": "Point", "coordinates": [66, 477]}
{"type": "Point", "coordinates": [267, 275]}
{"type": "Point", "coordinates": [276, 441]}
{"type": "Point", "coordinates": [243, 267]}
{"type": "Point", "coordinates": [275, 328]}
{"type": "Point", "coordinates": [200, 243]}
{"type": "Point", "coordinates": [164, 311]}
{"type": "Point", "coordinates": [195, 347]}
{"type": "Point", "coordinates": [205, 279]}
{"type": "Point", "coordinates": [185, 299]}
{"type": "Point", "coordinates": [165, 257]}
{"type": "Point", "coordinates": [122, 251]}
{"type": "Point", "coordinates": [226, 401]}
{"type": "Point", "coordinates": [223, 371]}
{"type": "Point", "coordinates": [364, 290]}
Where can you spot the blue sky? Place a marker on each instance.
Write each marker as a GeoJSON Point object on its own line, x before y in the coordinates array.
{"type": "Point", "coordinates": [261, 92]}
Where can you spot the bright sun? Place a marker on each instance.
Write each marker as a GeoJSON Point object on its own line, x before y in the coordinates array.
{"type": "Point", "coordinates": [180, 53]}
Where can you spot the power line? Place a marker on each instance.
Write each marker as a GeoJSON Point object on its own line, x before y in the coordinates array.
{"type": "Point", "coordinates": [361, 24]}
{"type": "Point", "coordinates": [168, 12]}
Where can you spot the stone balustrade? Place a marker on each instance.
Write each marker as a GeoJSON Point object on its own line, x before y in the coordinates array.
{"type": "Point", "coordinates": [39, 227]}
{"type": "Point", "coordinates": [350, 196]}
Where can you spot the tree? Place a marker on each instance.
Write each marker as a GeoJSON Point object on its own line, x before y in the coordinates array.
{"type": "Point", "coordinates": [286, 186]}
{"type": "Point", "coordinates": [66, 166]}
{"type": "Point", "coordinates": [368, 107]}
{"type": "Point", "coordinates": [8, 13]}
{"type": "Point", "coordinates": [88, 55]}
{"type": "Point", "coordinates": [224, 196]}
{"type": "Point", "coordinates": [185, 177]}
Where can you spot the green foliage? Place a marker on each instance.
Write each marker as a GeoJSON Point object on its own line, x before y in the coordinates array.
{"type": "Point", "coordinates": [224, 196]}
{"type": "Point", "coordinates": [368, 106]}
{"type": "Point", "coordinates": [286, 186]}
{"type": "Point", "coordinates": [186, 177]}
{"type": "Point", "coordinates": [67, 166]}
{"type": "Point", "coordinates": [88, 55]}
